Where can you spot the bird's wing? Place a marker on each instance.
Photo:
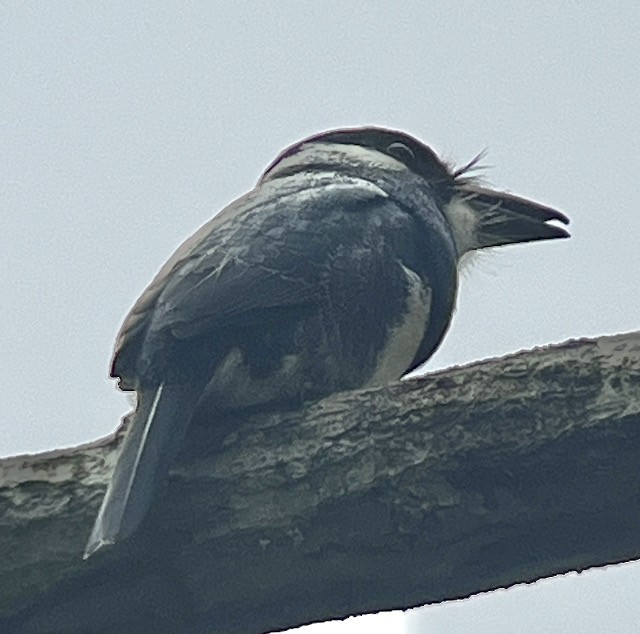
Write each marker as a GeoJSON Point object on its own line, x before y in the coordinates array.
{"type": "Point", "coordinates": [262, 256]}
{"type": "Point", "coordinates": [290, 254]}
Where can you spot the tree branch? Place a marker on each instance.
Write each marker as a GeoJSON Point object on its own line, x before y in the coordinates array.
{"type": "Point", "coordinates": [432, 489]}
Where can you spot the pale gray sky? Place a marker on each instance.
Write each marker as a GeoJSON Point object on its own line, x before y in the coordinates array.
{"type": "Point", "coordinates": [126, 125]}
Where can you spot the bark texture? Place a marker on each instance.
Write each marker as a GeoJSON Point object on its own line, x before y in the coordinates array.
{"type": "Point", "coordinates": [465, 480]}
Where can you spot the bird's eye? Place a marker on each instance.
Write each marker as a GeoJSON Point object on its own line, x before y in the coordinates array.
{"type": "Point", "coordinates": [402, 152]}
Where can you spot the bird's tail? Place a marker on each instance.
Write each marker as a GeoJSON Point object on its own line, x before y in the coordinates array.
{"type": "Point", "coordinates": [152, 443]}
{"type": "Point", "coordinates": [505, 219]}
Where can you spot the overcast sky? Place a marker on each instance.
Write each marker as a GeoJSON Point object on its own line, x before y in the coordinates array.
{"type": "Point", "coordinates": [126, 125]}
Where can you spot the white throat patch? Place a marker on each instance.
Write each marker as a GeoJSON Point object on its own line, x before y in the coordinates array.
{"type": "Point", "coordinates": [464, 224]}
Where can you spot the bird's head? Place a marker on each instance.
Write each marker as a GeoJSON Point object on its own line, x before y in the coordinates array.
{"type": "Point", "coordinates": [477, 216]}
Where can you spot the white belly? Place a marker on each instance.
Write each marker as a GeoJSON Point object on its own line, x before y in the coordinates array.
{"type": "Point", "coordinates": [404, 339]}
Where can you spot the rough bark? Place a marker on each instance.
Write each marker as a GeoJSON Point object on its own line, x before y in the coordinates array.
{"type": "Point", "coordinates": [465, 480]}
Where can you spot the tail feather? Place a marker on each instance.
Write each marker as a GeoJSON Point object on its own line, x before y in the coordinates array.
{"type": "Point", "coordinates": [152, 443]}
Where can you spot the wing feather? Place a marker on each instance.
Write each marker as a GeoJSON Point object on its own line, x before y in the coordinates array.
{"type": "Point", "coordinates": [262, 252]}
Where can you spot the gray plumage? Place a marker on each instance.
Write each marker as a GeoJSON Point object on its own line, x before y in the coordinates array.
{"type": "Point", "coordinates": [338, 271]}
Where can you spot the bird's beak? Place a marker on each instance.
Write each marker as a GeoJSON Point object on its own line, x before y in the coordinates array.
{"type": "Point", "coordinates": [505, 219]}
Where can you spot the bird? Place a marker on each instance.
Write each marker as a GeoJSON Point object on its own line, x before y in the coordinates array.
{"type": "Point", "coordinates": [338, 271]}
